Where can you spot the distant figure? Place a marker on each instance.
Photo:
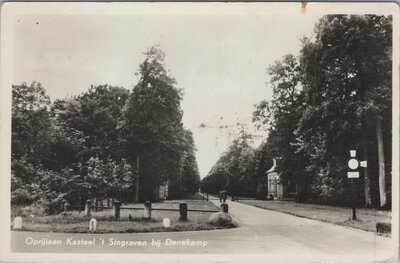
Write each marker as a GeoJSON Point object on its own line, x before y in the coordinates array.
{"type": "Point", "coordinates": [271, 197]}
{"type": "Point", "coordinates": [222, 196]}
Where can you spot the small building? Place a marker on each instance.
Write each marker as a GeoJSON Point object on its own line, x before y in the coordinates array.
{"type": "Point", "coordinates": [275, 188]}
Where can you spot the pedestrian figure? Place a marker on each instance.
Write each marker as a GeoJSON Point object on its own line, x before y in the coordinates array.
{"type": "Point", "coordinates": [222, 196]}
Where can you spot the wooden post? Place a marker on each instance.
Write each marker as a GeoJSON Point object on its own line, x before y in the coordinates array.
{"type": "Point", "coordinates": [147, 209]}
{"type": "Point", "coordinates": [354, 215]}
{"type": "Point", "coordinates": [207, 196]}
{"type": "Point", "coordinates": [137, 180]}
{"type": "Point", "coordinates": [117, 209]}
{"type": "Point", "coordinates": [182, 212]}
{"type": "Point", "coordinates": [224, 207]}
{"type": "Point", "coordinates": [87, 208]}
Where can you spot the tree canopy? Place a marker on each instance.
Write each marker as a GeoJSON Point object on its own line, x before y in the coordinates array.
{"type": "Point", "coordinates": [89, 145]}
{"type": "Point", "coordinates": [335, 97]}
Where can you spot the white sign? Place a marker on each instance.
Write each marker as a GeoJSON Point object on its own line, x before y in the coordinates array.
{"type": "Point", "coordinates": [353, 175]}
{"type": "Point", "coordinates": [363, 163]}
{"type": "Point", "coordinates": [353, 164]}
{"type": "Point", "coordinates": [166, 222]}
{"type": "Point", "coordinates": [17, 223]}
{"type": "Point", "coordinates": [93, 224]}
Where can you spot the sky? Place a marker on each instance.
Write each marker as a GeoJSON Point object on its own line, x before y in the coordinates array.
{"type": "Point", "coordinates": [219, 59]}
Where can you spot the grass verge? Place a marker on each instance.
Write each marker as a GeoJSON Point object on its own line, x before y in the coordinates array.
{"type": "Point", "coordinates": [366, 218]}
{"type": "Point", "coordinates": [131, 221]}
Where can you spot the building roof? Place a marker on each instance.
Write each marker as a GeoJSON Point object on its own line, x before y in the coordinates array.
{"type": "Point", "coordinates": [272, 169]}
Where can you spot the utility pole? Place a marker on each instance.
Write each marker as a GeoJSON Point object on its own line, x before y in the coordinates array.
{"type": "Point", "coordinates": [137, 179]}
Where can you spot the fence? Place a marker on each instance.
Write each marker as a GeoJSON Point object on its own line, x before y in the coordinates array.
{"type": "Point", "coordinates": [183, 209]}
{"type": "Point", "coordinates": [87, 208]}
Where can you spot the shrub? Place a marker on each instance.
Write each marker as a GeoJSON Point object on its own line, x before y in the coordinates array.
{"type": "Point", "coordinates": [21, 197]}
{"type": "Point", "coordinates": [383, 227]}
{"type": "Point", "coordinates": [261, 192]}
{"type": "Point", "coordinates": [52, 207]}
{"type": "Point", "coordinates": [221, 219]}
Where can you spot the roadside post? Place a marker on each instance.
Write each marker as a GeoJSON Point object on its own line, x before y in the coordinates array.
{"type": "Point", "coordinates": [87, 208]}
{"type": "Point", "coordinates": [147, 209]}
{"type": "Point", "coordinates": [182, 212]}
{"type": "Point", "coordinates": [353, 174]}
{"type": "Point", "coordinates": [224, 207]}
{"type": "Point", "coordinates": [117, 209]}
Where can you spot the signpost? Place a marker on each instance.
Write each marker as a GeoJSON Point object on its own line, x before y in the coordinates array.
{"type": "Point", "coordinates": [353, 174]}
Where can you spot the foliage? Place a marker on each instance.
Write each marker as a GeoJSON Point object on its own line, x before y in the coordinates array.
{"type": "Point", "coordinates": [21, 197]}
{"type": "Point", "coordinates": [31, 126]}
{"type": "Point", "coordinates": [221, 219]}
{"type": "Point", "coordinates": [234, 171]}
{"type": "Point", "coordinates": [86, 146]}
{"type": "Point", "coordinates": [327, 102]}
{"type": "Point", "coordinates": [153, 127]}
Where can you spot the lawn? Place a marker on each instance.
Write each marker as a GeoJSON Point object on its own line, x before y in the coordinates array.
{"type": "Point", "coordinates": [131, 221]}
{"type": "Point", "coordinates": [366, 218]}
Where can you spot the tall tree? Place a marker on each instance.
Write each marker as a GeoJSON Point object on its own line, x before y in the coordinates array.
{"type": "Point", "coordinates": [280, 117]}
{"type": "Point", "coordinates": [31, 125]}
{"type": "Point", "coordinates": [347, 80]}
{"type": "Point", "coordinates": [152, 124]}
{"type": "Point", "coordinates": [190, 171]}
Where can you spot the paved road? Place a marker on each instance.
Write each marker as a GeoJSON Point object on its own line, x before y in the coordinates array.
{"type": "Point", "coordinates": [269, 234]}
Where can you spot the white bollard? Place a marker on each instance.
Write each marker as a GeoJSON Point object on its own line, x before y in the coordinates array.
{"type": "Point", "coordinates": [166, 222]}
{"type": "Point", "coordinates": [17, 223]}
{"type": "Point", "coordinates": [93, 224]}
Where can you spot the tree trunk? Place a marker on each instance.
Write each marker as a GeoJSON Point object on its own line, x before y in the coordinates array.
{"type": "Point", "coordinates": [381, 163]}
{"type": "Point", "coordinates": [367, 192]}
{"type": "Point", "coordinates": [137, 180]}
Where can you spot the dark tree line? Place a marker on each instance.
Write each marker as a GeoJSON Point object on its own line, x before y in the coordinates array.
{"type": "Point", "coordinates": [336, 96]}
{"type": "Point", "coordinates": [239, 171]}
{"type": "Point", "coordinates": [108, 142]}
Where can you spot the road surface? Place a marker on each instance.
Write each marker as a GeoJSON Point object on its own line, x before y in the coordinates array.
{"type": "Point", "coordinates": [271, 235]}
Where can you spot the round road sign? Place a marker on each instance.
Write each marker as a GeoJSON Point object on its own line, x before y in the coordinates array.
{"type": "Point", "coordinates": [353, 164]}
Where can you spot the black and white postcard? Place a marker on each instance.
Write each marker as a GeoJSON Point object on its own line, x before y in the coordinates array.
{"type": "Point", "coordinates": [199, 132]}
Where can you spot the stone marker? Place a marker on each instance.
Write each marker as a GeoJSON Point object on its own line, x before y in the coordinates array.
{"type": "Point", "coordinates": [17, 223]}
{"type": "Point", "coordinates": [93, 224]}
{"type": "Point", "coordinates": [166, 222]}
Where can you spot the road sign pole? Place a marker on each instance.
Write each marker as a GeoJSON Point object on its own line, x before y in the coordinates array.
{"type": "Point", "coordinates": [354, 164]}
{"type": "Point", "coordinates": [354, 199]}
